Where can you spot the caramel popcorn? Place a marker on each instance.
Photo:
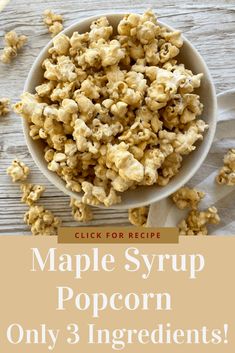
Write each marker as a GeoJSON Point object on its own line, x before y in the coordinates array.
{"type": "Point", "coordinates": [115, 109]}
{"type": "Point", "coordinates": [53, 22]}
{"type": "Point", "coordinates": [94, 195]}
{"type": "Point", "coordinates": [227, 172]}
{"type": "Point", "coordinates": [31, 193]}
{"type": "Point", "coordinates": [18, 171]}
{"type": "Point", "coordinates": [13, 44]}
{"type": "Point", "coordinates": [187, 198]}
{"type": "Point", "coordinates": [196, 222]}
{"type": "Point", "coordinates": [128, 167]}
{"type": "Point", "coordinates": [41, 221]}
{"type": "Point", "coordinates": [80, 211]}
{"type": "Point", "coordinates": [4, 106]}
{"type": "Point", "coordinates": [138, 216]}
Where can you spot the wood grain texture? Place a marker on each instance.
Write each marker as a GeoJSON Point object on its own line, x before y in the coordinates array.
{"type": "Point", "coordinates": [210, 25]}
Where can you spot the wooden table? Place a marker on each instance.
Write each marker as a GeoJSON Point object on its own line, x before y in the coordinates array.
{"type": "Point", "coordinates": [210, 25]}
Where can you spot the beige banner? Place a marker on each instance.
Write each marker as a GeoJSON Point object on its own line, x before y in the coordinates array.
{"type": "Point", "coordinates": [120, 235]}
{"type": "Point", "coordinates": [184, 304]}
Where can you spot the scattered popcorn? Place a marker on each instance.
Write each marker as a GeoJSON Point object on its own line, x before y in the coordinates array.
{"type": "Point", "coordinates": [13, 44]}
{"type": "Point", "coordinates": [227, 172]}
{"type": "Point", "coordinates": [196, 222]}
{"type": "Point", "coordinates": [4, 106]}
{"type": "Point", "coordinates": [115, 109]}
{"type": "Point", "coordinates": [187, 198]}
{"type": "Point", "coordinates": [138, 216]}
{"type": "Point", "coordinates": [31, 193]}
{"type": "Point", "coordinates": [18, 171]}
{"type": "Point", "coordinates": [41, 221]}
{"type": "Point", "coordinates": [53, 22]}
{"type": "Point", "coordinates": [80, 211]}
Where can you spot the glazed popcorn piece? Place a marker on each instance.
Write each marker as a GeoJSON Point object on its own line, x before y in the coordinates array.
{"type": "Point", "coordinates": [227, 172]}
{"type": "Point", "coordinates": [196, 222]}
{"type": "Point", "coordinates": [100, 29]}
{"type": "Point", "coordinates": [31, 193]}
{"type": "Point", "coordinates": [127, 166]}
{"type": "Point", "coordinates": [53, 21]}
{"type": "Point", "coordinates": [184, 142]}
{"type": "Point", "coordinates": [138, 216]}
{"type": "Point", "coordinates": [80, 211]}
{"type": "Point", "coordinates": [95, 195]}
{"type": "Point", "coordinates": [115, 109]}
{"type": "Point", "coordinates": [30, 108]}
{"type": "Point", "coordinates": [18, 171]}
{"type": "Point", "coordinates": [187, 198]}
{"type": "Point", "coordinates": [169, 168]}
{"type": "Point", "coordinates": [152, 161]}
{"type": "Point", "coordinates": [13, 44]}
{"type": "Point", "coordinates": [41, 221]}
{"type": "Point", "coordinates": [4, 106]}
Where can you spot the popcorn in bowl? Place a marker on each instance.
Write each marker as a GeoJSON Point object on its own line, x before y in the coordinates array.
{"type": "Point", "coordinates": [115, 111]}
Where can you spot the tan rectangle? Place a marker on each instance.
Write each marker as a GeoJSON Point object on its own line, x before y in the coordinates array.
{"type": "Point", "coordinates": [29, 299]}
{"type": "Point", "coordinates": [119, 235]}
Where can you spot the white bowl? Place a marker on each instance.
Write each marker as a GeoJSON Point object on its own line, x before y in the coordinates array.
{"type": "Point", "coordinates": [143, 195]}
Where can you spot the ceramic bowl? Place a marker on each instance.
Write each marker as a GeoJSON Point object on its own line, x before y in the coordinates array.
{"type": "Point", "coordinates": [147, 194]}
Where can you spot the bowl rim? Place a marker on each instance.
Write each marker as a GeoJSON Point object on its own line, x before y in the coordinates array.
{"type": "Point", "coordinates": [164, 193]}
